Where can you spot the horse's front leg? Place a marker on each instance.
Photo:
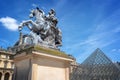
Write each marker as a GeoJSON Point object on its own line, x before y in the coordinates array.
{"type": "Point", "coordinates": [24, 23]}
{"type": "Point", "coordinates": [32, 23]}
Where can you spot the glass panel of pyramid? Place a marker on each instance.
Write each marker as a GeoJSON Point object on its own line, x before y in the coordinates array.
{"type": "Point", "coordinates": [96, 67]}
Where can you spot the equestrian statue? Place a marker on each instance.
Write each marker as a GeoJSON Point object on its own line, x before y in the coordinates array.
{"type": "Point", "coordinates": [43, 29]}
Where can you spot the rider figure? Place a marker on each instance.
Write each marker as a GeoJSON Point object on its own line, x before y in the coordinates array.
{"type": "Point", "coordinates": [53, 23]}
{"type": "Point", "coordinates": [51, 18]}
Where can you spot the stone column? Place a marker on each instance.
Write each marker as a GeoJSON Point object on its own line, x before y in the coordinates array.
{"type": "Point", "coordinates": [12, 65]}
{"type": "Point", "coordinates": [3, 75]}
{"type": "Point", "coordinates": [10, 78]}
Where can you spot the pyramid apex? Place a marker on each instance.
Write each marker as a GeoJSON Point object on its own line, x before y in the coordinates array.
{"type": "Point", "coordinates": [98, 49]}
{"type": "Point", "coordinates": [98, 53]}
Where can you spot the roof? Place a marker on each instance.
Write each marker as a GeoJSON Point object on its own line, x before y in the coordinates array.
{"type": "Point", "coordinates": [2, 51]}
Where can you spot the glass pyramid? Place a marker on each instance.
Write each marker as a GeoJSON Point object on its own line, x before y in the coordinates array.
{"type": "Point", "coordinates": [96, 67]}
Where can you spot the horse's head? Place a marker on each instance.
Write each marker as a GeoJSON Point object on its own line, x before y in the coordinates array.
{"type": "Point", "coordinates": [36, 13]}
{"type": "Point", "coordinates": [31, 14]}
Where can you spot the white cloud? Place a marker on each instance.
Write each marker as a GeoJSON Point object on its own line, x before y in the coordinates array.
{"type": "Point", "coordinates": [115, 50]}
{"type": "Point", "coordinates": [9, 23]}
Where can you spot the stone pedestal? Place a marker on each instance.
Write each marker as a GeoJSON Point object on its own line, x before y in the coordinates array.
{"type": "Point", "coordinates": [38, 63]}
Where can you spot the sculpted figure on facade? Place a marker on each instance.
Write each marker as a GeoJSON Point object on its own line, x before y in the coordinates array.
{"type": "Point", "coordinates": [43, 29]}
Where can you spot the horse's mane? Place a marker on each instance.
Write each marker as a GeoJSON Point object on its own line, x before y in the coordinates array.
{"type": "Point", "coordinates": [39, 9]}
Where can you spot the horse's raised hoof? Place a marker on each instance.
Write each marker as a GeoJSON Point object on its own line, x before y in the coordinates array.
{"type": "Point", "coordinates": [19, 28]}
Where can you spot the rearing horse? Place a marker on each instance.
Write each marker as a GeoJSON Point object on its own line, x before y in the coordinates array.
{"type": "Point", "coordinates": [39, 24]}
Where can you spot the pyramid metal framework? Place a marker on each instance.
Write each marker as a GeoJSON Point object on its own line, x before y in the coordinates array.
{"type": "Point", "coordinates": [96, 67]}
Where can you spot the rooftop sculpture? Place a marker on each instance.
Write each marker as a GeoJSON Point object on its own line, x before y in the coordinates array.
{"type": "Point", "coordinates": [43, 29]}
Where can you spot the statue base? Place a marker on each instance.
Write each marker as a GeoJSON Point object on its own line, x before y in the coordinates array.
{"type": "Point", "coordinates": [38, 63]}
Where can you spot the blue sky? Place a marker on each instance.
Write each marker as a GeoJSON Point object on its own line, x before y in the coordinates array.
{"type": "Point", "coordinates": [85, 24]}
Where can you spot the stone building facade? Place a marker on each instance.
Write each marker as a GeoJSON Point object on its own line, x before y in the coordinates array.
{"type": "Point", "coordinates": [6, 65]}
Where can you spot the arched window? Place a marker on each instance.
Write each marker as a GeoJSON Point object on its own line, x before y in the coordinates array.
{"type": "Point", "coordinates": [0, 75]}
{"type": "Point", "coordinates": [7, 75]}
